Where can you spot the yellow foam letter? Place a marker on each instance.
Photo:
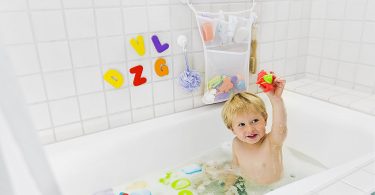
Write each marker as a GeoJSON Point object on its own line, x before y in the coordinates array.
{"type": "Point", "coordinates": [138, 45]}
{"type": "Point", "coordinates": [161, 68]}
{"type": "Point", "coordinates": [114, 78]}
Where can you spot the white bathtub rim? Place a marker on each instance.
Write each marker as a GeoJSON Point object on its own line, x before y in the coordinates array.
{"type": "Point", "coordinates": [316, 182]}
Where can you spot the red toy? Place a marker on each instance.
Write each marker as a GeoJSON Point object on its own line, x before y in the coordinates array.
{"type": "Point", "coordinates": [266, 80]}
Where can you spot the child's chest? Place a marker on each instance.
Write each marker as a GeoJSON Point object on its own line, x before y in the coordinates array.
{"type": "Point", "coordinates": [265, 159]}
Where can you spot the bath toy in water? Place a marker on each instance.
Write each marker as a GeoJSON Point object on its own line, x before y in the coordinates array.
{"type": "Point", "coordinates": [141, 192]}
{"type": "Point", "coordinates": [166, 179]}
{"type": "Point", "coordinates": [266, 80]}
{"type": "Point", "coordinates": [240, 186]}
{"type": "Point", "coordinates": [180, 184]}
{"type": "Point", "coordinates": [137, 185]}
{"type": "Point", "coordinates": [192, 169]}
{"type": "Point", "coordinates": [185, 192]}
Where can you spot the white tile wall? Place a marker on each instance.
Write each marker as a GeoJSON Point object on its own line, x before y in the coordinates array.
{"type": "Point", "coordinates": [61, 49]}
{"type": "Point", "coordinates": [342, 43]}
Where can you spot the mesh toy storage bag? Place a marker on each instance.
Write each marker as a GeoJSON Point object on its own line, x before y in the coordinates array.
{"type": "Point", "coordinates": [226, 38]}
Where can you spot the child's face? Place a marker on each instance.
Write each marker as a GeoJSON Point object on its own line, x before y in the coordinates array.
{"type": "Point", "coordinates": [249, 127]}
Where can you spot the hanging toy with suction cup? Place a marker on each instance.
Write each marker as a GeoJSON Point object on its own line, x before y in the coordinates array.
{"type": "Point", "coordinates": [188, 79]}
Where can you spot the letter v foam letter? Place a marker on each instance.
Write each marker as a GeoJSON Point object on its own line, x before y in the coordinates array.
{"type": "Point", "coordinates": [138, 45]}
{"type": "Point", "coordinates": [138, 79]}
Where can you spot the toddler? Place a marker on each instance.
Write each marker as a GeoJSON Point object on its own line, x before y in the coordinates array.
{"type": "Point", "coordinates": [256, 153]}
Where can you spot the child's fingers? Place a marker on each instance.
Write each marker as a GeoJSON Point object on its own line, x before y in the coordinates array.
{"type": "Point", "coordinates": [280, 83]}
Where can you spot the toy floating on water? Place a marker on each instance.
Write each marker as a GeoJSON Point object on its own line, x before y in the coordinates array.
{"type": "Point", "coordinates": [266, 80]}
{"type": "Point", "coordinates": [191, 169]}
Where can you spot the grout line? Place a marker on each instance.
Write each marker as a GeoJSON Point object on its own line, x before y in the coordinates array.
{"type": "Point", "coordinates": [100, 64]}
{"type": "Point", "coordinates": [340, 45]}
{"type": "Point", "coordinates": [150, 61]}
{"type": "Point", "coordinates": [123, 29]}
{"type": "Point", "coordinates": [72, 67]}
{"type": "Point", "coordinates": [41, 69]}
{"type": "Point", "coordinates": [360, 47]}
{"type": "Point", "coordinates": [287, 42]}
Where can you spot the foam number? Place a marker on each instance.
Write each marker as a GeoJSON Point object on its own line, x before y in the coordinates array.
{"type": "Point", "coordinates": [158, 46]}
{"type": "Point", "coordinates": [114, 78]}
{"type": "Point", "coordinates": [161, 67]}
{"type": "Point", "coordinates": [138, 45]}
{"type": "Point", "coordinates": [138, 79]}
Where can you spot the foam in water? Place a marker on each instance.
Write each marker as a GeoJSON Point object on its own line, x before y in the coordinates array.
{"type": "Point", "coordinates": [216, 177]}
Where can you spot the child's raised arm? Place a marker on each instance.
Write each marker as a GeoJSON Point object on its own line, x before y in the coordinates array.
{"type": "Point", "coordinates": [279, 127]}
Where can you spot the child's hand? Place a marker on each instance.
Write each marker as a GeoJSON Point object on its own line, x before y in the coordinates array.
{"type": "Point", "coordinates": [279, 85]}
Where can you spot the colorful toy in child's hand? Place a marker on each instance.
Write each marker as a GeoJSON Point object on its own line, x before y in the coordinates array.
{"type": "Point", "coordinates": [266, 80]}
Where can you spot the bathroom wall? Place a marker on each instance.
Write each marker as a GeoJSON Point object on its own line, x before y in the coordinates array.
{"type": "Point", "coordinates": [60, 50]}
{"type": "Point", "coordinates": [342, 43]}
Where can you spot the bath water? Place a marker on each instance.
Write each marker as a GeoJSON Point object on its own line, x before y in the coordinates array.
{"type": "Point", "coordinates": [216, 177]}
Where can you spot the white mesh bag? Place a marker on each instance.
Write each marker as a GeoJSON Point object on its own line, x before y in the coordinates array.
{"type": "Point", "coordinates": [226, 38]}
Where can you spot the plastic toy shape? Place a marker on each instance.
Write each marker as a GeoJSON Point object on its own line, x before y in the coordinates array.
{"type": "Point", "coordinates": [138, 45]}
{"type": "Point", "coordinates": [191, 169]}
{"type": "Point", "coordinates": [161, 68]}
{"type": "Point", "coordinates": [160, 48]}
{"type": "Point", "coordinates": [165, 180]}
{"type": "Point", "coordinates": [185, 192]}
{"type": "Point", "coordinates": [181, 184]}
{"type": "Point", "coordinates": [207, 31]}
{"type": "Point", "coordinates": [114, 78]}
{"type": "Point", "coordinates": [138, 79]}
{"type": "Point", "coordinates": [265, 80]}
{"type": "Point", "coordinates": [226, 85]}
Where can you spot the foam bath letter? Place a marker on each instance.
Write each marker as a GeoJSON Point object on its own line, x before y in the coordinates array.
{"type": "Point", "coordinates": [158, 46]}
{"type": "Point", "coordinates": [166, 179]}
{"type": "Point", "coordinates": [181, 184]}
{"type": "Point", "coordinates": [138, 79]}
{"type": "Point", "coordinates": [114, 78]}
{"type": "Point", "coordinates": [185, 192]}
{"type": "Point", "coordinates": [138, 45]}
{"type": "Point", "coordinates": [161, 67]}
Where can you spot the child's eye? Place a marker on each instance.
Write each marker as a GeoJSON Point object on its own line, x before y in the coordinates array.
{"type": "Point", "coordinates": [255, 121]}
{"type": "Point", "coordinates": [241, 124]}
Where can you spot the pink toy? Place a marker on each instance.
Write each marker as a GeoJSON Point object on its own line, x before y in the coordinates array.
{"type": "Point", "coordinates": [266, 80]}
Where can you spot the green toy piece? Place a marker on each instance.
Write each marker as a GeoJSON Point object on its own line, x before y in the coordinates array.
{"type": "Point", "coordinates": [166, 179]}
{"type": "Point", "coordinates": [215, 82]}
{"type": "Point", "coordinates": [185, 192]}
{"type": "Point", "coordinates": [240, 186]}
{"type": "Point", "coordinates": [180, 184]}
{"type": "Point", "coordinates": [268, 78]}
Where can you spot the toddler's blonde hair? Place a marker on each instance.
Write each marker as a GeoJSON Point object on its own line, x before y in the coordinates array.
{"type": "Point", "coordinates": [240, 103]}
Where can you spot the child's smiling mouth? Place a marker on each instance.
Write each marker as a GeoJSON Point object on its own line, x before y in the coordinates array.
{"type": "Point", "coordinates": [252, 136]}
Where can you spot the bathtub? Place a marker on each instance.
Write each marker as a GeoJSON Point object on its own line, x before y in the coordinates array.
{"type": "Point", "coordinates": [327, 133]}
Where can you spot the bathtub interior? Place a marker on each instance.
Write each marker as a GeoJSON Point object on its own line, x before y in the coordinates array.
{"type": "Point", "coordinates": [323, 134]}
{"type": "Point", "coordinates": [327, 132]}
{"type": "Point", "coordinates": [213, 178]}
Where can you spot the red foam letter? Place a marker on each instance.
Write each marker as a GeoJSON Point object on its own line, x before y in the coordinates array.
{"type": "Point", "coordinates": [138, 79]}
